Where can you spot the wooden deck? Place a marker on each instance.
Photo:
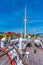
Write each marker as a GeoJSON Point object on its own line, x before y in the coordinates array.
{"type": "Point", "coordinates": [35, 58]}
{"type": "Point", "coordinates": [4, 60]}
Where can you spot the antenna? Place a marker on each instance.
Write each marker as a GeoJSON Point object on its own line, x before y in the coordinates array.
{"type": "Point", "coordinates": [25, 11]}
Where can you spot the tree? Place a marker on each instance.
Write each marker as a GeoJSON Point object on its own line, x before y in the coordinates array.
{"type": "Point", "coordinates": [1, 36]}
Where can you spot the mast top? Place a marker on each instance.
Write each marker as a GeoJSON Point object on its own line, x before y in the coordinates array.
{"type": "Point", "coordinates": [25, 18]}
{"type": "Point", "coordinates": [25, 11]}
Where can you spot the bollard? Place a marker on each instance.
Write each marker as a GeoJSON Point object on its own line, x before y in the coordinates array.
{"type": "Point", "coordinates": [34, 50]}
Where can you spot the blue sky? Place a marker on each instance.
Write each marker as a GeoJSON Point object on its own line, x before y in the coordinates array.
{"type": "Point", "coordinates": [12, 15]}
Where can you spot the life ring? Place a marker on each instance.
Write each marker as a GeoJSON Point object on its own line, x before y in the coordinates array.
{"type": "Point", "coordinates": [10, 58]}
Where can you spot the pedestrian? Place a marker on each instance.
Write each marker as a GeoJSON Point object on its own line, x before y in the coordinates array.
{"type": "Point", "coordinates": [27, 54]}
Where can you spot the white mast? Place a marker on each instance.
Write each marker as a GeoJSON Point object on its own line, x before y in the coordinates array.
{"type": "Point", "coordinates": [21, 33]}
{"type": "Point", "coordinates": [25, 20]}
